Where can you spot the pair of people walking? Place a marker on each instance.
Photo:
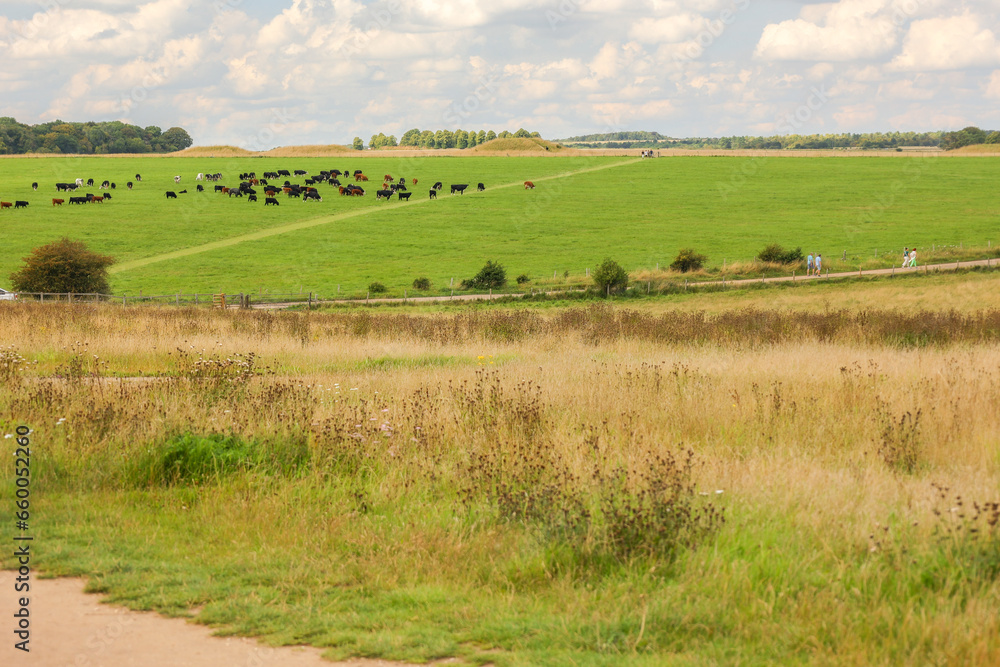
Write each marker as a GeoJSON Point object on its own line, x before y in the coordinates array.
{"type": "Point", "coordinates": [814, 266]}
{"type": "Point", "coordinates": [909, 258]}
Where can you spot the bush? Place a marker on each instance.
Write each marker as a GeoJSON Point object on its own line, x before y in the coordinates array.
{"type": "Point", "coordinates": [63, 266]}
{"type": "Point", "coordinates": [523, 278]}
{"type": "Point", "coordinates": [422, 283]}
{"type": "Point", "coordinates": [688, 260]}
{"type": "Point", "coordinates": [610, 276]}
{"type": "Point", "coordinates": [491, 276]}
{"type": "Point", "coordinates": [775, 254]}
{"type": "Point", "coordinates": [377, 288]}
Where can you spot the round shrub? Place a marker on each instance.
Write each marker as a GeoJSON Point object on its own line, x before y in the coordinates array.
{"type": "Point", "coordinates": [377, 288]}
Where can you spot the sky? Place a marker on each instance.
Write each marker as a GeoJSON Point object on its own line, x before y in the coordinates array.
{"type": "Point", "coordinates": [261, 74]}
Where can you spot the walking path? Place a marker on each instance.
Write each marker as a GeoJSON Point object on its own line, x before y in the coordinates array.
{"type": "Point", "coordinates": [950, 266]}
{"type": "Point", "coordinates": [71, 628]}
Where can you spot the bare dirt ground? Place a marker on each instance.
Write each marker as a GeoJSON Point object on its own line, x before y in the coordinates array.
{"type": "Point", "coordinates": [70, 628]}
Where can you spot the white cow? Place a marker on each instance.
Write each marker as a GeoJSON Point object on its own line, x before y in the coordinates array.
{"type": "Point", "coordinates": [79, 182]}
{"type": "Point", "coordinates": [199, 177]}
{"type": "Point", "coordinates": [177, 179]}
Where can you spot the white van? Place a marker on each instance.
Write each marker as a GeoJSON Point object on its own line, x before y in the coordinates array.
{"type": "Point", "coordinates": [7, 296]}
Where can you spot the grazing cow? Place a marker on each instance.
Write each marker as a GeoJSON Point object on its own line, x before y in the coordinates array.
{"type": "Point", "coordinates": [383, 194]}
{"type": "Point", "coordinates": [113, 186]}
{"type": "Point", "coordinates": [414, 182]}
{"type": "Point", "coordinates": [138, 177]}
{"type": "Point", "coordinates": [434, 193]}
{"type": "Point", "coordinates": [105, 184]}
{"type": "Point", "coordinates": [129, 185]}
{"type": "Point", "coordinates": [342, 190]}
{"type": "Point", "coordinates": [480, 187]}
{"type": "Point", "coordinates": [90, 182]}
{"type": "Point", "coordinates": [183, 192]}
{"type": "Point", "coordinates": [107, 195]}
{"type": "Point", "coordinates": [360, 177]}
{"type": "Point", "coordinates": [199, 176]}
{"type": "Point", "coordinates": [58, 202]}
{"type": "Point", "coordinates": [5, 204]}
{"type": "Point", "coordinates": [459, 188]}
{"type": "Point", "coordinates": [34, 186]}
{"type": "Point", "coordinates": [65, 186]}
{"type": "Point", "coordinates": [387, 177]}
{"type": "Point", "coordinates": [528, 185]}
{"type": "Point", "coordinates": [77, 200]}
{"type": "Point", "coordinates": [311, 194]}
{"type": "Point", "coordinates": [300, 172]}
{"type": "Point", "coordinates": [79, 182]}
{"type": "Point", "coordinates": [283, 172]}
{"type": "Point", "coordinates": [171, 195]}
{"type": "Point", "coordinates": [220, 188]}
{"type": "Point", "coordinates": [20, 204]}
{"type": "Point", "coordinates": [177, 179]}
{"type": "Point", "coordinates": [268, 201]}
{"type": "Point", "coordinates": [96, 200]}
{"type": "Point", "coordinates": [200, 188]}
{"type": "Point", "coordinates": [437, 186]}
{"type": "Point", "coordinates": [252, 198]}
{"type": "Point", "coordinates": [403, 196]}
{"type": "Point", "coordinates": [401, 186]}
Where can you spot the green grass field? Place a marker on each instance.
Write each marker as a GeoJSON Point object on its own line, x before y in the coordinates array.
{"type": "Point", "coordinates": [638, 212]}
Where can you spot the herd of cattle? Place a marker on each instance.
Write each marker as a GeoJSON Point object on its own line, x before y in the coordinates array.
{"type": "Point", "coordinates": [250, 186]}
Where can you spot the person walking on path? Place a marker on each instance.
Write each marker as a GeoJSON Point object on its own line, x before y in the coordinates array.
{"type": "Point", "coordinates": [906, 257]}
{"type": "Point", "coordinates": [819, 264]}
{"type": "Point", "coordinates": [912, 263]}
{"type": "Point", "coordinates": [809, 264]}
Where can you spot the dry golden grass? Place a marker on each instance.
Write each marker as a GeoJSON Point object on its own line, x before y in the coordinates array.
{"type": "Point", "coordinates": [214, 151]}
{"type": "Point", "coordinates": [519, 145]}
{"type": "Point", "coordinates": [309, 151]}
{"type": "Point", "coordinates": [803, 441]}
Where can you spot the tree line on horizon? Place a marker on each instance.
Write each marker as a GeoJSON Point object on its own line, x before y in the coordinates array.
{"type": "Point", "coordinates": [88, 138]}
{"type": "Point", "coordinates": [860, 140]}
{"type": "Point", "coordinates": [417, 138]}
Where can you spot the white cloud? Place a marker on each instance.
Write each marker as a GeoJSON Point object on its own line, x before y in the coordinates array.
{"type": "Point", "coordinates": [850, 30]}
{"type": "Point", "coordinates": [948, 43]}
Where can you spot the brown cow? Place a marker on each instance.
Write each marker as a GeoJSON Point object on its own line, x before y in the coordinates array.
{"type": "Point", "coordinates": [387, 177]}
{"type": "Point", "coordinates": [5, 204]}
{"type": "Point", "coordinates": [414, 181]}
{"type": "Point", "coordinates": [528, 185]}
{"type": "Point", "coordinates": [58, 202]}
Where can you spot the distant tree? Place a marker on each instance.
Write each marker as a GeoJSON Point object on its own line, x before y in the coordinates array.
{"type": "Point", "coordinates": [358, 144]}
{"type": "Point", "coordinates": [504, 135]}
{"type": "Point", "coordinates": [490, 136]}
{"type": "Point", "coordinates": [491, 276]}
{"type": "Point", "coordinates": [482, 137]}
{"type": "Point", "coordinates": [473, 139]}
{"type": "Point", "coordinates": [376, 288]}
{"type": "Point", "coordinates": [63, 266]}
{"type": "Point", "coordinates": [610, 276]}
{"type": "Point", "coordinates": [522, 134]}
{"type": "Point", "coordinates": [174, 139]}
{"type": "Point", "coordinates": [688, 260]}
{"type": "Point", "coordinates": [410, 138]}
{"type": "Point", "coordinates": [461, 139]}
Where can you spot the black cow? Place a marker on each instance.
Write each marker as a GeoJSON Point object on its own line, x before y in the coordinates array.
{"type": "Point", "coordinates": [270, 200]}
{"type": "Point", "coordinates": [460, 188]}
{"type": "Point", "coordinates": [77, 200]}
{"type": "Point", "coordinates": [138, 177]}
{"type": "Point", "coordinates": [434, 193]}
{"type": "Point", "coordinates": [171, 195]}
{"type": "Point", "coordinates": [20, 204]}
{"type": "Point", "coordinates": [90, 182]}
{"type": "Point", "coordinates": [107, 195]}
{"type": "Point", "coordinates": [65, 186]}
{"type": "Point", "coordinates": [113, 186]}
{"type": "Point", "coordinates": [200, 187]}
{"type": "Point", "coordinates": [437, 186]}
{"type": "Point", "coordinates": [129, 185]}
{"type": "Point", "coordinates": [383, 194]}
{"type": "Point", "coordinates": [311, 194]}
{"type": "Point", "coordinates": [183, 192]}
{"type": "Point", "coordinates": [34, 186]}
{"type": "Point", "coordinates": [283, 172]}
{"type": "Point", "coordinates": [252, 198]}
{"type": "Point", "coordinates": [403, 196]}
{"type": "Point", "coordinates": [300, 172]}
{"type": "Point", "coordinates": [219, 188]}
{"type": "Point", "coordinates": [105, 184]}
{"type": "Point", "coordinates": [334, 181]}
{"type": "Point", "coordinates": [480, 187]}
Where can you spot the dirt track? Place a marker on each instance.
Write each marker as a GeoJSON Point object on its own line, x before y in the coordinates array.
{"type": "Point", "coordinates": [70, 628]}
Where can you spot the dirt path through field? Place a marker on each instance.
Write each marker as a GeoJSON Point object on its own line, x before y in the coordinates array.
{"type": "Point", "coordinates": [325, 220]}
{"type": "Point", "coordinates": [70, 628]}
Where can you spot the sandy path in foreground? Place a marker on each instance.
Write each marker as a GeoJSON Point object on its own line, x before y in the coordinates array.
{"type": "Point", "coordinates": [70, 628]}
